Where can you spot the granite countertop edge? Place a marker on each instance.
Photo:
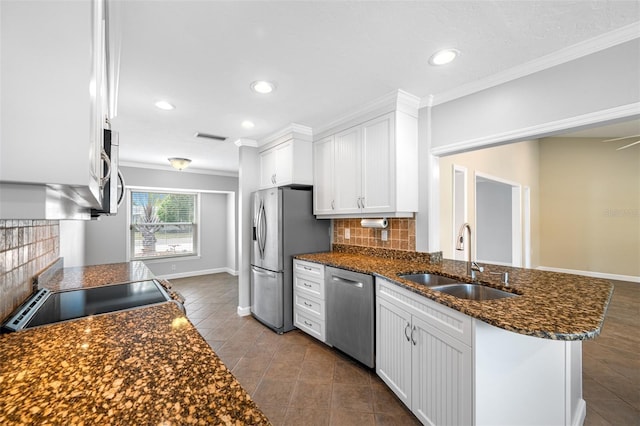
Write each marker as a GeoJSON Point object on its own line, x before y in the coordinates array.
{"type": "Point", "coordinates": [544, 308]}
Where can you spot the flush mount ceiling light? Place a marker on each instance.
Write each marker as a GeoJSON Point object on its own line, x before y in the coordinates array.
{"type": "Point", "coordinates": [164, 105]}
{"type": "Point", "coordinates": [444, 56]}
{"type": "Point", "coordinates": [247, 124]}
{"type": "Point", "coordinates": [179, 163]}
{"type": "Point", "coordinates": [263, 87]}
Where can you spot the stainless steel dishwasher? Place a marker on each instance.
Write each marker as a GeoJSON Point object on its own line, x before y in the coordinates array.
{"type": "Point", "coordinates": [350, 313]}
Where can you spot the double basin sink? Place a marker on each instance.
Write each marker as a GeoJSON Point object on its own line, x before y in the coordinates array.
{"type": "Point", "coordinates": [456, 288]}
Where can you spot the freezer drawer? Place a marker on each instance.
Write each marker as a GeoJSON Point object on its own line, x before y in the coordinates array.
{"type": "Point", "coordinates": [267, 297]}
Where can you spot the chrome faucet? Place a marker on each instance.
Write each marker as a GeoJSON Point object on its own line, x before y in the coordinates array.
{"type": "Point", "coordinates": [472, 265]}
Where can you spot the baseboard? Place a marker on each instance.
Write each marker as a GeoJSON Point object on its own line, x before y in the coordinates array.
{"type": "Point", "coordinates": [244, 311]}
{"type": "Point", "coordinates": [604, 275]}
{"type": "Point", "coordinates": [198, 273]}
{"type": "Point", "coordinates": [580, 414]}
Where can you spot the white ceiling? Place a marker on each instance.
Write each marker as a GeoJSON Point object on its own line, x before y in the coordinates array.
{"type": "Point", "coordinates": [326, 57]}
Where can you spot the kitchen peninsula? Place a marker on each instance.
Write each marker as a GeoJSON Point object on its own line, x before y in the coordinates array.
{"type": "Point", "coordinates": [460, 361]}
{"type": "Point", "coordinates": [141, 366]}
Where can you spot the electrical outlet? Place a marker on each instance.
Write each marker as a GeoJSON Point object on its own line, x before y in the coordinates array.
{"type": "Point", "coordinates": [384, 235]}
{"type": "Point", "coordinates": [347, 233]}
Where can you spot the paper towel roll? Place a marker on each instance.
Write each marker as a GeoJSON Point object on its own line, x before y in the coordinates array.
{"type": "Point", "coordinates": [374, 223]}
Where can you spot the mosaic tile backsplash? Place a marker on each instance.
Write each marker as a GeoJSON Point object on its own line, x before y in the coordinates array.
{"type": "Point", "coordinates": [401, 234]}
{"type": "Point", "coordinates": [26, 248]}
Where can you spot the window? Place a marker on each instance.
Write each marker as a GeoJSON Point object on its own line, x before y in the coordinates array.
{"type": "Point", "coordinates": [163, 224]}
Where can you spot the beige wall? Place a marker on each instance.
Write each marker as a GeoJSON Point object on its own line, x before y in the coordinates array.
{"type": "Point", "coordinates": [590, 218]}
{"type": "Point", "coordinates": [516, 162]}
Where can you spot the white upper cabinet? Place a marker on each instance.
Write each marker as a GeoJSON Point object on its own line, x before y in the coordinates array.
{"type": "Point", "coordinates": [285, 158]}
{"type": "Point", "coordinates": [55, 96]}
{"type": "Point", "coordinates": [323, 176]}
{"type": "Point", "coordinates": [368, 166]}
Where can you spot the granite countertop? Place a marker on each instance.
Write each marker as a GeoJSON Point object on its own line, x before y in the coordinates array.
{"type": "Point", "coordinates": [57, 278]}
{"type": "Point", "coordinates": [550, 305]}
{"type": "Point", "coordinates": [142, 366]}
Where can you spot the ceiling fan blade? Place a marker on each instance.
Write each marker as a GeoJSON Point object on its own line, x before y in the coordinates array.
{"type": "Point", "coordinates": [627, 146]}
{"type": "Point", "coordinates": [622, 138]}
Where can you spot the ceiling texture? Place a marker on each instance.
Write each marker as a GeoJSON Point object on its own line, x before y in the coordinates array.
{"type": "Point", "coordinates": [327, 58]}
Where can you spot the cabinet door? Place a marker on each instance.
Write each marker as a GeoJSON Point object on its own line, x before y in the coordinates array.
{"type": "Point", "coordinates": [441, 373]}
{"type": "Point", "coordinates": [323, 184]}
{"type": "Point", "coordinates": [52, 81]}
{"type": "Point", "coordinates": [393, 349]}
{"type": "Point", "coordinates": [347, 171]}
{"type": "Point", "coordinates": [284, 163]}
{"type": "Point", "coordinates": [267, 168]}
{"type": "Point", "coordinates": [378, 159]}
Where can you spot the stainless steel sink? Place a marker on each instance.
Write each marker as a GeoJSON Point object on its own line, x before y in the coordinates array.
{"type": "Point", "coordinates": [473, 291]}
{"type": "Point", "coordinates": [429, 279]}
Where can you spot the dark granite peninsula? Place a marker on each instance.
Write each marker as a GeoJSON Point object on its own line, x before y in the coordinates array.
{"type": "Point", "coordinates": [507, 361]}
{"type": "Point", "coordinates": [141, 366]}
{"type": "Point", "coordinates": [550, 305]}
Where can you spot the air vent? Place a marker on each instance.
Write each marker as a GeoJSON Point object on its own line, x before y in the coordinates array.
{"type": "Point", "coordinates": [209, 136]}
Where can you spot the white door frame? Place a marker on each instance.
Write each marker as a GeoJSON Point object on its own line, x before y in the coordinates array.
{"type": "Point", "coordinates": [458, 172]}
{"type": "Point", "coordinates": [516, 215]}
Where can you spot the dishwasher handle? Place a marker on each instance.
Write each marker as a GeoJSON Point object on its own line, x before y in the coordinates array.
{"type": "Point", "coordinates": [347, 281]}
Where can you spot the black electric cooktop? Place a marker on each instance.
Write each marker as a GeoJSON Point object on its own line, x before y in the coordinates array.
{"type": "Point", "coordinates": [46, 307]}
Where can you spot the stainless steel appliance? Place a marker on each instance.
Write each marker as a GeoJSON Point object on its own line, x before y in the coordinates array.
{"type": "Point", "coordinates": [283, 225]}
{"type": "Point", "coordinates": [350, 313]}
{"type": "Point", "coordinates": [112, 180]}
{"type": "Point", "coordinates": [46, 307]}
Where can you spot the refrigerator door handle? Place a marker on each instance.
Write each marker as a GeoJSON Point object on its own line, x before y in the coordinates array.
{"type": "Point", "coordinates": [262, 242]}
{"type": "Point", "coordinates": [259, 229]}
{"type": "Point", "coordinates": [263, 273]}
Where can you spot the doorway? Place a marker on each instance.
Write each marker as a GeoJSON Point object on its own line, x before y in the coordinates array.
{"type": "Point", "coordinates": [459, 209]}
{"type": "Point", "coordinates": [499, 231]}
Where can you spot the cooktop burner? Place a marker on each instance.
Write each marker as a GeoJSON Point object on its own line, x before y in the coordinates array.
{"type": "Point", "coordinates": [46, 307]}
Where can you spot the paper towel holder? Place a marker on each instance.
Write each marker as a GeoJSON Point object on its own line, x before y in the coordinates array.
{"type": "Point", "coordinates": [374, 223]}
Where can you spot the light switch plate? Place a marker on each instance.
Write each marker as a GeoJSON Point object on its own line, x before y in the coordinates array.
{"type": "Point", "coordinates": [347, 233]}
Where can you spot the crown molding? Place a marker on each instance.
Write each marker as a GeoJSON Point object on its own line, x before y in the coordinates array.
{"type": "Point", "coordinates": [397, 100]}
{"type": "Point", "coordinates": [171, 169]}
{"type": "Point", "coordinates": [246, 142]}
{"type": "Point", "coordinates": [543, 130]}
{"type": "Point", "coordinates": [567, 54]}
{"type": "Point", "coordinates": [293, 130]}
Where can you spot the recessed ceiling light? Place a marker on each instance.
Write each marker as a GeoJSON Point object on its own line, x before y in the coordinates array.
{"type": "Point", "coordinates": [248, 124]}
{"type": "Point", "coordinates": [164, 105]}
{"type": "Point", "coordinates": [444, 56]}
{"type": "Point", "coordinates": [263, 87]}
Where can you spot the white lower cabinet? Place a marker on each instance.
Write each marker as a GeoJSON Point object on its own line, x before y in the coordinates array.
{"type": "Point", "coordinates": [451, 369]}
{"type": "Point", "coordinates": [423, 353]}
{"type": "Point", "coordinates": [309, 311]}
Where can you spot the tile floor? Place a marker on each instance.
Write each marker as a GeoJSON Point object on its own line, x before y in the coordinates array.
{"type": "Point", "coordinates": [298, 381]}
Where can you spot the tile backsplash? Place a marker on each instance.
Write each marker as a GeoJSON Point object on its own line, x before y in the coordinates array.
{"type": "Point", "coordinates": [401, 234]}
{"type": "Point", "coordinates": [26, 248]}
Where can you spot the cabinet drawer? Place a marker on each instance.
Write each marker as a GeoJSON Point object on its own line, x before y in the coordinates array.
{"type": "Point", "coordinates": [308, 268]}
{"type": "Point", "coordinates": [311, 286]}
{"type": "Point", "coordinates": [309, 305]}
{"type": "Point", "coordinates": [310, 325]}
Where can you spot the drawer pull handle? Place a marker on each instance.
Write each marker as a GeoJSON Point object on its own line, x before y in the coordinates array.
{"type": "Point", "coordinates": [405, 332]}
{"type": "Point", "coordinates": [307, 323]}
{"type": "Point", "coordinates": [412, 339]}
{"type": "Point", "coordinates": [306, 285]}
{"type": "Point", "coordinates": [308, 304]}
{"type": "Point", "coordinates": [307, 268]}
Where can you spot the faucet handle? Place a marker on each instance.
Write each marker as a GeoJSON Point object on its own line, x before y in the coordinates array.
{"type": "Point", "coordinates": [504, 277]}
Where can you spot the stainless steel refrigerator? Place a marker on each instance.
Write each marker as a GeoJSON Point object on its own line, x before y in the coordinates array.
{"type": "Point", "coordinates": [283, 226]}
